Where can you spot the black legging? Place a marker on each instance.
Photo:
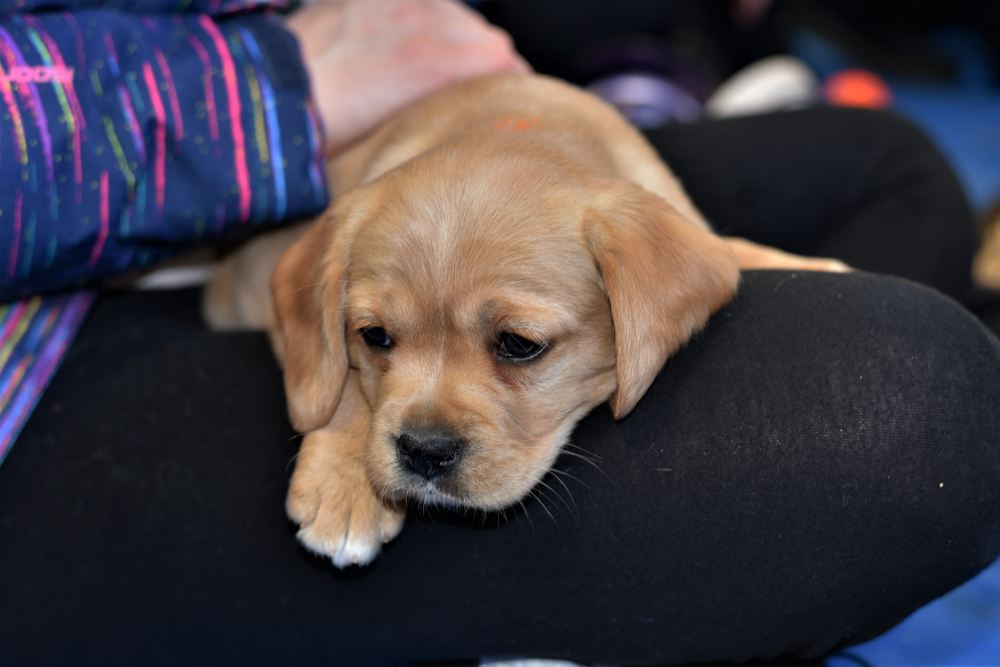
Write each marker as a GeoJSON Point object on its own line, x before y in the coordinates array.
{"type": "Point", "coordinates": [868, 188]}
{"type": "Point", "coordinates": [814, 466]}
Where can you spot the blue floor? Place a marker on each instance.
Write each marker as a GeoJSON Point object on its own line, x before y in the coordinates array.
{"type": "Point", "coordinates": [965, 124]}
{"type": "Point", "coordinates": [961, 628]}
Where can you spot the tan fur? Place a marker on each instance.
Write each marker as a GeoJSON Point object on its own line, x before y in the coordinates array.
{"type": "Point", "coordinates": [510, 203]}
{"type": "Point", "coordinates": [986, 267]}
{"type": "Point", "coordinates": [238, 297]}
{"type": "Point", "coordinates": [339, 512]}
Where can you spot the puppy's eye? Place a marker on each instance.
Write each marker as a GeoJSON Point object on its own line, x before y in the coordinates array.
{"type": "Point", "coordinates": [376, 337]}
{"type": "Point", "coordinates": [517, 349]}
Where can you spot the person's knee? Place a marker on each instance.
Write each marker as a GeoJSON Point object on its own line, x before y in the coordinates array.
{"type": "Point", "coordinates": [932, 465]}
{"type": "Point", "coordinates": [920, 373]}
{"type": "Point", "coordinates": [874, 127]}
{"type": "Point", "coordinates": [901, 155]}
{"type": "Point", "coordinates": [941, 393]}
{"type": "Point", "coordinates": [918, 379]}
{"type": "Point", "coordinates": [911, 215]}
{"type": "Point", "coordinates": [859, 413]}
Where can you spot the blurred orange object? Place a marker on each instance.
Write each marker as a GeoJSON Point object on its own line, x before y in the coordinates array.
{"type": "Point", "coordinates": [857, 88]}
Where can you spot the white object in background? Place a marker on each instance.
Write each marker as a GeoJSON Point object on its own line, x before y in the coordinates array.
{"type": "Point", "coordinates": [189, 269]}
{"type": "Point", "coordinates": [771, 84]}
{"type": "Point", "coordinates": [178, 277]}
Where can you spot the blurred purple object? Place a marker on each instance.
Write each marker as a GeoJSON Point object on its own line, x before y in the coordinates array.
{"type": "Point", "coordinates": [645, 79]}
{"type": "Point", "coordinates": [647, 100]}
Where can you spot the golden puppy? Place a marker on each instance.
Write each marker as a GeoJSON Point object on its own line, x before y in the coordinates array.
{"type": "Point", "coordinates": [501, 257]}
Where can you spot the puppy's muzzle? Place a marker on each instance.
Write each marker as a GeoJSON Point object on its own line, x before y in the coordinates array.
{"type": "Point", "coordinates": [430, 455]}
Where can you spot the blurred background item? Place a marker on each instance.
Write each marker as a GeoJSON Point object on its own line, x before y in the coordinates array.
{"type": "Point", "coordinates": [666, 61]}
{"type": "Point", "coordinates": [986, 269]}
{"type": "Point", "coordinates": [774, 83]}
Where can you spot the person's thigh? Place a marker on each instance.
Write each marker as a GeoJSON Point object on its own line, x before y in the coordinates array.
{"type": "Point", "coordinates": [866, 187]}
{"type": "Point", "coordinates": [816, 464]}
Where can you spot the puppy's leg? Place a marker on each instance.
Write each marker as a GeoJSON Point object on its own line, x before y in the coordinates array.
{"type": "Point", "coordinates": [339, 512]}
{"type": "Point", "coordinates": [238, 295]}
{"type": "Point", "coordinates": [750, 255]}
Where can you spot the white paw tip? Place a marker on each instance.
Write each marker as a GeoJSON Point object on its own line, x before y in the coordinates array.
{"type": "Point", "coordinates": [316, 544]}
{"type": "Point", "coordinates": [356, 552]}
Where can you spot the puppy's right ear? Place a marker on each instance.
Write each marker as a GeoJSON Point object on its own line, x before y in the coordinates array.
{"type": "Point", "coordinates": [308, 324]}
{"type": "Point", "coordinates": [664, 276]}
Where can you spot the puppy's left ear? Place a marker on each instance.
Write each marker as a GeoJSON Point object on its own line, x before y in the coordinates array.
{"type": "Point", "coordinates": [664, 275]}
{"type": "Point", "coordinates": [307, 331]}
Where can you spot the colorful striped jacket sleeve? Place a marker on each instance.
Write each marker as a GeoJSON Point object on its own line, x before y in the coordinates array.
{"type": "Point", "coordinates": [125, 137]}
{"type": "Point", "coordinates": [212, 7]}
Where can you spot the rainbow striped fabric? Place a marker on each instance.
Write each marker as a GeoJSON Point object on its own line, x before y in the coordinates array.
{"type": "Point", "coordinates": [130, 130]}
{"type": "Point", "coordinates": [125, 137]}
{"type": "Point", "coordinates": [34, 335]}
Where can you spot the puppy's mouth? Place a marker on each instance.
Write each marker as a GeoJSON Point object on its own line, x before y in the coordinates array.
{"type": "Point", "coordinates": [431, 494]}
{"type": "Point", "coordinates": [451, 493]}
{"type": "Point", "coordinates": [453, 474]}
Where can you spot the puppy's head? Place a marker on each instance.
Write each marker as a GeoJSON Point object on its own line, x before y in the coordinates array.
{"type": "Point", "coordinates": [486, 311]}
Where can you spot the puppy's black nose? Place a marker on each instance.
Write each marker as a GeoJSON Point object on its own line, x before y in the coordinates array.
{"type": "Point", "coordinates": [429, 456]}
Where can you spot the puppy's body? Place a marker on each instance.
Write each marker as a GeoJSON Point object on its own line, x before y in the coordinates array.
{"type": "Point", "coordinates": [539, 119]}
{"type": "Point", "coordinates": [504, 256]}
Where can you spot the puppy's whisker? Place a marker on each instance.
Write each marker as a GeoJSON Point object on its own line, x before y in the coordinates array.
{"type": "Point", "coordinates": [383, 497]}
{"type": "Point", "coordinates": [584, 459]}
{"type": "Point", "coordinates": [563, 473]}
{"type": "Point", "coordinates": [584, 450]}
{"type": "Point", "coordinates": [527, 514]}
{"type": "Point", "coordinates": [568, 492]}
{"type": "Point", "coordinates": [589, 457]}
{"type": "Point", "coordinates": [557, 495]}
{"type": "Point", "coordinates": [538, 497]}
{"type": "Point", "coordinates": [291, 461]}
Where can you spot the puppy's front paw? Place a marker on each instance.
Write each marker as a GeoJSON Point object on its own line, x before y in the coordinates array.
{"type": "Point", "coordinates": [339, 514]}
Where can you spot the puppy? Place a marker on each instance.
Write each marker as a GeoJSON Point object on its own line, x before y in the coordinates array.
{"type": "Point", "coordinates": [501, 258]}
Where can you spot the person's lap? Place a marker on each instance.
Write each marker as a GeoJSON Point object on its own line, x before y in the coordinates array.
{"type": "Point", "coordinates": [782, 488]}
{"type": "Point", "coordinates": [818, 463]}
